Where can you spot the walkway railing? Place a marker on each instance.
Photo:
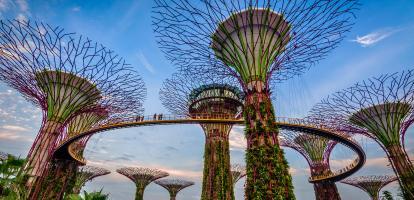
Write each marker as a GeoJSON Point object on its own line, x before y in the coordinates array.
{"type": "Point", "coordinates": [69, 144]}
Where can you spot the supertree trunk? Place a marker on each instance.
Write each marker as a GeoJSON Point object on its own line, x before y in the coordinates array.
{"type": "Point", "coordinates": [139, 193]}
{"type": "Point", "coordinates": [324, 190]}
{"type": "Point", "coordinates": [217, 180]}
{"type": "Point", "coordinates": [172, 196]}
{"type": "Point", "coordinates": [71, 187]}
{"type": "Point", "coordinates": [56, 179]}
{"type": "Point", "coordinates": [403, 167]}
{"type": "Point", "coordinates": [267, 169]}
{"type": "Point", "coordinates": [41, 151]}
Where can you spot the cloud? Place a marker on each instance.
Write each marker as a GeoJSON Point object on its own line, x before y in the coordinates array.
{"type": "Point", "coordinates": [237, 140]}
{"type": "Point", "coordinates": [374, 37]}
{"type": "Point", "coordinates": [23, 5]}
{"type": "Point", "coordinates": [76, 9]}
{"type": "Point", "coordinates": [4, 5]}
{"type": "Point", "coordinates": [377, 162]}
{"type": "Point", "coordinates": [14, 128]}
{"type": "Point", "coordinates": [144, 61]}
{"type": "Point", "coordinates": [299, 171]}
{"type": "Point", "coordinates": [14, 136]}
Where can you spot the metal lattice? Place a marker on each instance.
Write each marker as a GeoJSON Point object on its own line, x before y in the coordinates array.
{"type": "Point", "coordinates": [370, 184]}
{"type": "Point", "coordinates": [174, 185]}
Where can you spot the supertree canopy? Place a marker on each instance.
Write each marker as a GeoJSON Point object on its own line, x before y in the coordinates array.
{"type": "Point", "coordinates": [257, 42]}
{"type": "Point", "coordinates": [380, 108]}
{"type": "Point", "coordinates": [141, 177]}
{"type": "Point", "coordinates": [370, 184]}
{"type": "Point", "coordinates": [316, 150]}
{"type": "Point", "coordinates": [237, 172]}
{"type": "Point", "coordinates": [85, 174]}
{"type": "Point", "coordinates": [65, 75]}
{"type": "Point", "coordinates": [174, 186]}
{"type": "Point", "coordinates": [208, 98]}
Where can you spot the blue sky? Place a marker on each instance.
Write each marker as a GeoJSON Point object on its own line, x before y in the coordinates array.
{"type": "Point", "coordinates": [381, 42]}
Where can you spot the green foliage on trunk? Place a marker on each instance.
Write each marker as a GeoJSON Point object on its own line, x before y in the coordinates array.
{"type": "Point", "coordinates": [267, 169]}
{"type": "Point", "coordinates": [217, 180]}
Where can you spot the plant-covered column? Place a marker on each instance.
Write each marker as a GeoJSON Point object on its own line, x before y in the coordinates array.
{"type": "Point", "coordinates": [217, 180]}
{"type": "Point", "coordinates": [59, 173]}
{"type": "Point", "coordinates": [267, 170]}
{"type": "Point", "coordinates": [212, 99]}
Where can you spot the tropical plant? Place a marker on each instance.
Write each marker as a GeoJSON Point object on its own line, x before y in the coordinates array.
{"type": "Point", "coordinates": [88, 196]}
{"type": "Point", "coordinates": [386, 195]}
{"type": "Point", "coordinates": [13, 178]}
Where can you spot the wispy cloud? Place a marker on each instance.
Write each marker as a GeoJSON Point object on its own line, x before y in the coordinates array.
{"type": "Point", "coordinates": [14, 136]}
{"type": "Point", "coordinates": [144, 61]}
{"type": "Point", "coordinates": [14, 128]}
{"type": "Point", "coordinates": [374, 37]}
{"type": "Point", "coordinates": [76, 9]}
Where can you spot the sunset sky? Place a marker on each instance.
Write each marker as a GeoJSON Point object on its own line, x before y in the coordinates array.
{"type": "Point", "coordinates": [381, 42]}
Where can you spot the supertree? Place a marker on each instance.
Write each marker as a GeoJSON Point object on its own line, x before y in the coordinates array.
{"type": "Point", "coordinates": [370, 184]}
{"type": "Point", "coordinates": [208, 98]}
{"type": "Point", "coordinates": [380, 108]}
{"type": "Point", "coordinates": [65, 75]}
{"type": "Point", "coordinates": [174, 186]}
{"type": "Point", "coordinates": [237, 172]}
{"type": "Point", "coordinates": [85, 174]}
{"type": "Point", "coordinates": [141, 177]}
{"type": "Point", "coordinates": [258, 42]}
{"type": "Point", "coordinates": [317, 151]}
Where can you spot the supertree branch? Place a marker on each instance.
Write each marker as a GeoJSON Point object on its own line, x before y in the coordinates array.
{"type": "Point", "coordinates": [237, 172]}
{"type": "Point", "coordinates": [174, 186]}
{"type": "Point", "coordinates": [141, 177]}
{"type": "Point", "coordinates": [215, 98]}
{"type": "Point", "coordinates": [304, 33]}
{"type": "Point", "coordinates": [380, 108]}
{"type": "Point", "coordinates": [65, 75]}
{"type": "Point", "coordinates": [317, 151]}
{"type": "Point", "coordinates": [258, 43]}
{"type": "Point", "coordinates": [370, 184]}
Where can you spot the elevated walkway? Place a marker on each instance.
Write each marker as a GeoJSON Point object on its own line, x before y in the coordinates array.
{"type": "Point", "coordinates": [67, 151]}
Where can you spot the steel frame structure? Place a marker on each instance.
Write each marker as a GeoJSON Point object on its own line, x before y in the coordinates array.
{"type": "Point", "coordinates": [370, 184]}
{"type": "Point", "coordinates": [259, 43]}
{"type": "Point", "coordinates": [317, 151]}
{"type": "Point", "coordinates": [237, 172]}
{"type": "Point", "coordinates": [213, 99]}
{"type": "Point", "coordinates": [381, 108]}
{"type": "Point", "coordinates": [64, 74]}
{"type": "Point", "coordinates": [142, 177]}
{"type": "Point", "coordinates": [173, 186]}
